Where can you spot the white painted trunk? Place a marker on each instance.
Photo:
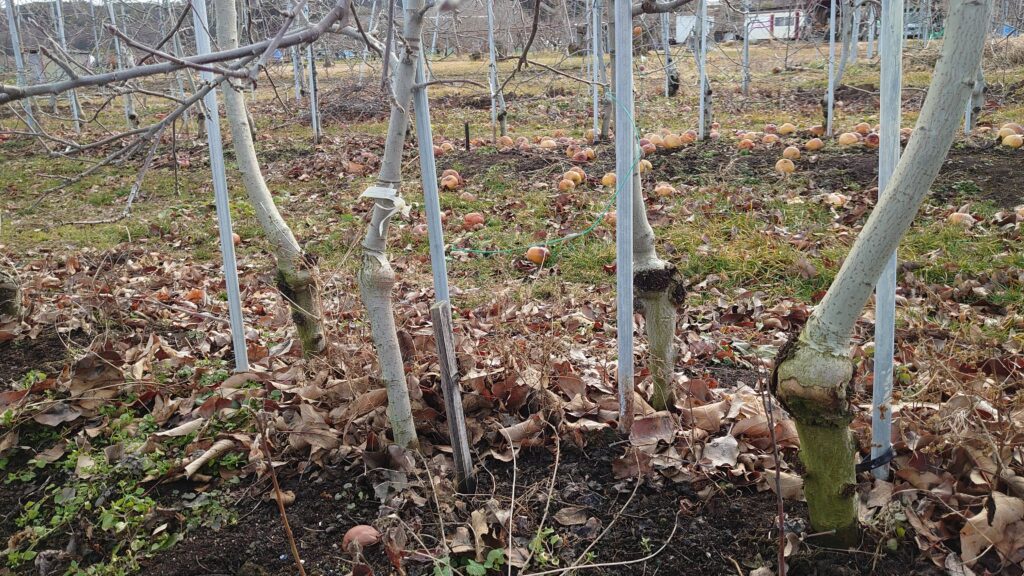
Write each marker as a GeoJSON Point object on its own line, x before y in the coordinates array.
{"type": "Point", "coordinates": [812, 373]}
{"type": "Point", "coordinates": [846, 30]}
{"type": "Point", "coordinates": [660, 291]}
{"type": "Point", "coordinates": [855, 34]}
{"type": "Point", "coordinates": [295, 276]}
{"type": "Point", "coordinates": [499, 111]}
{"type": "Point", "coordinates": [376, 277]}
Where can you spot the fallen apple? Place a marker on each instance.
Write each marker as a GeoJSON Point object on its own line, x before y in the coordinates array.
{"type": "Point", "coordinates": [450, 182]}
{"type": "Point", "coordinates": [673, 141]}
{"type": "Point", "coordinates": [785, 166]}
{"type": "Point", "coordinates": [538, 254]}
{"type": "Point", "coordinates": [848, 139]}
{"type": "Point", "coordinates": [359, 537]}
{"type": "Point", "coordinates": [664, 189]}
{"type": "Point", "coordinates": [961, 219]}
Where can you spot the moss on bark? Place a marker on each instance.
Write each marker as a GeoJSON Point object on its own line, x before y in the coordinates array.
{"type": "Point", "coordinates": [830, 481]}
{"type": "Point", "coordinates": [299, 288]}
{"type": "Point", "coordinates": [813, 387]}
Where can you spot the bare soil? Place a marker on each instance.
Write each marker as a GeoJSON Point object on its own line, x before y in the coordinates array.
{"type": "Point", "coordinates": [735, 528]}
{"type": "Point", "coordinates": [46, 353]}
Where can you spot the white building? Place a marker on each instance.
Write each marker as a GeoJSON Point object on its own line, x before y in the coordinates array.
{"type": "Point", "coordinates": [783, 25]}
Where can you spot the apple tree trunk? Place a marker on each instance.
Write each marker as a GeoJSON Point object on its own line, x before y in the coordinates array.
{"type": "Point", "coordinates": [812, 372]}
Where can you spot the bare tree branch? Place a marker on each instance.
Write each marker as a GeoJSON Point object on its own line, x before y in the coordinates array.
{"type": "Point", "coordinates": [10, 93]}
{"type": "Point", "coordinates": [170, 35]}
{"type": "Point", "coordinates": [526, 49]}
{"type": "Point", "coordinates": [654, 7]}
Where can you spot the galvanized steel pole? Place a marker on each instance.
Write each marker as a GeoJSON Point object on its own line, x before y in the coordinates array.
{"type": "Point", "coordinates": [220, 194]}
{"type": "Point", "coordinates": [891, 51]}
{"type": "Point", "coordinates": [625, 163]}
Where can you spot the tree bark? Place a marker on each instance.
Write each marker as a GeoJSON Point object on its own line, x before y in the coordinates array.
{"type": "Point", "coordinates": [295, 272]}
{"type": "Point", "coordinates": [10, 295]}
{"type": "Point", "coordinates": [813, 372]}
{"type": "Point", "coordinates": [376, 277]}
{"type": "Point", "coordinates": [846, 31]}
{"type": "Point", "coordinates": [977, 101]}
{"type": "Point", "coordinates": [659, 290]}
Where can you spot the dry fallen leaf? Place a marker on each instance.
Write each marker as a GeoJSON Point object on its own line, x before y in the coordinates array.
{"type": "Point", "coordinates": [287, 497]}
{"type": "Point", "coordinates": [571, 516]}
{"type": "Point", "coordinates": [1001, 528]}
{"type": "Point", "coordinates": [721, 451]}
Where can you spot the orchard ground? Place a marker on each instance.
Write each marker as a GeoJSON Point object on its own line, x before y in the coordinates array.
{"type": "Point", "coordinates": [124, 341]}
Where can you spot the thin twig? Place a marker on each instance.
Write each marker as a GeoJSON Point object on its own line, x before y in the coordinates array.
{"type": "Point", "coordinates": [512, 504]}
{"type": "Point", "coordinates": [551, 489]}
{"type": "Point", "coordinates": [452, 81]}
{"type": "Point", "coordinates": [174, 30]}
{"type": "Point", "coordinates": [526, 49]}
{"type": "Point", "coordinates": [675, 526]}
{"type": "Point", "coordinates": [279, 497]}
{"type": "Point", "coordinates": [262, 60]}
{"type": "Point", "coordinates": [767, 400]}
{"type": "Point", "coordinates": [569, 76]}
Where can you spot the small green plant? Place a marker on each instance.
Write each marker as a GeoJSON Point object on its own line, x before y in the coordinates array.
{"type": "Point", "coordinates": [495, 559]}
{"type": "Point", "coordinates": [645, 544]}
{"type": "Point", "coordinates": [31, 378]}
{"type": "Point", "coordinates": [543, 546]}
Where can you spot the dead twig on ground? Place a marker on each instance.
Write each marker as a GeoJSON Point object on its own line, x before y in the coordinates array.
{"type": "Point", "coordinates": [265, 445]}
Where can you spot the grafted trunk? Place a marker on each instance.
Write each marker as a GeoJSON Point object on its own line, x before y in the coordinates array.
{"type": "Point", "coordinates": [659, 290]}
{"type": "Point", "coordinates": [813, 372]}
{"type": "Point", "coordinates": [10, 295]}
{"type": "Point", "coordinates": [376, 277]}
{"type": "Point", "coordinates": [295, 272]}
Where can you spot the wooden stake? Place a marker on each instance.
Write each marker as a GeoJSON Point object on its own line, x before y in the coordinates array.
{"type": "Point", "coordinates": [441, 316]}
